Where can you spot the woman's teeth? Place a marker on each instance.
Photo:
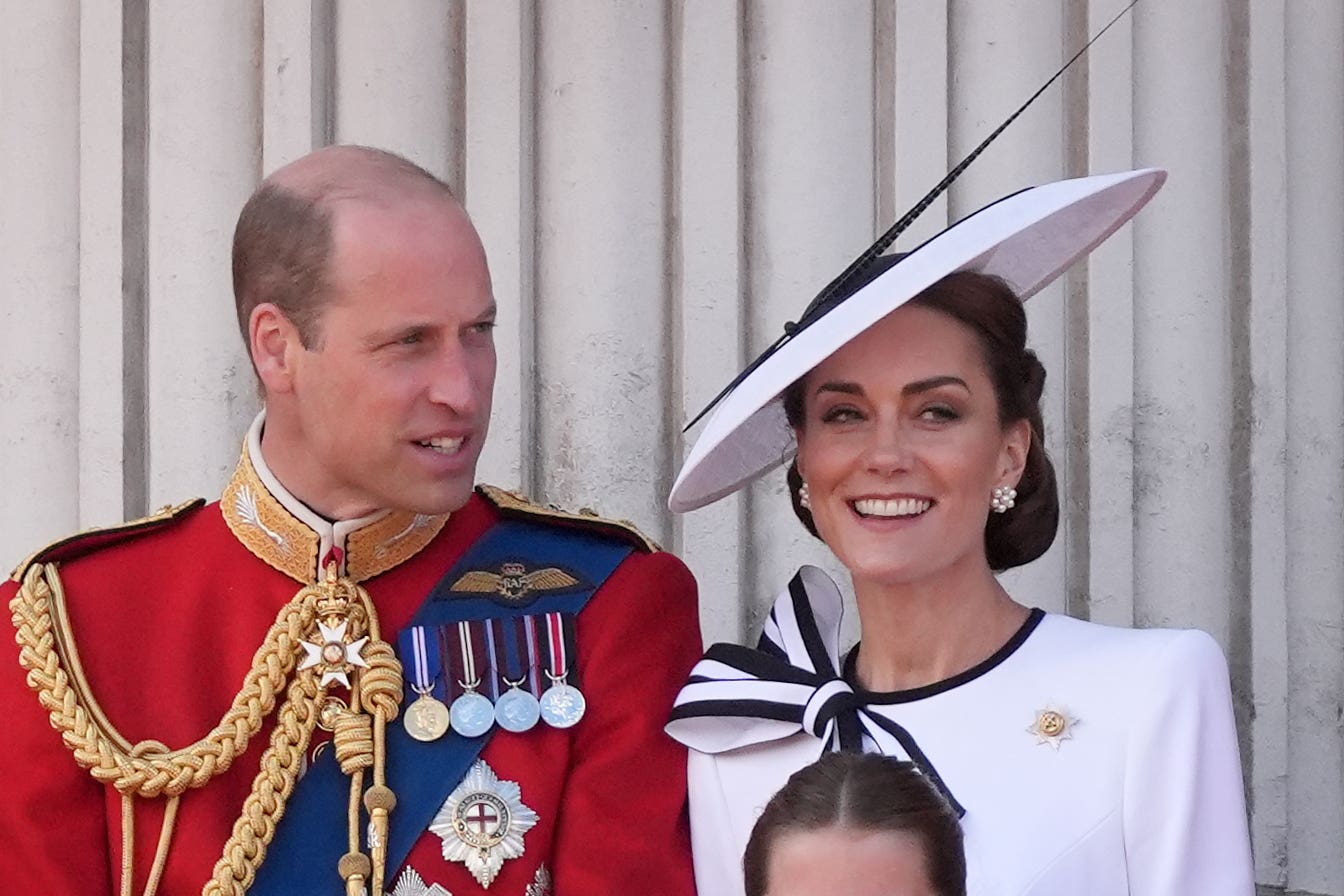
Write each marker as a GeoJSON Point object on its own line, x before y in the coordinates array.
{"type": "Point", "coordinates": [891, 506]}
{"type": "Point", "coordinates": [443, 446]}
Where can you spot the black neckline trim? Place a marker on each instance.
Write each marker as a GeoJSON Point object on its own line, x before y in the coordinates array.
{"type": "Point", "coordinates": [1010, 647]}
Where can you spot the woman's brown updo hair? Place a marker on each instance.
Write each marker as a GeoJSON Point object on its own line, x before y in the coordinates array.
{"type": "Point", "coordinates": [861, 792]}
{"type": "Point", "coordinates": [991, 310]}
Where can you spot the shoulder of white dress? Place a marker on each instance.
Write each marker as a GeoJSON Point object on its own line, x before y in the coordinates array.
{"type": "Point", "coordinates": [1131, 652]}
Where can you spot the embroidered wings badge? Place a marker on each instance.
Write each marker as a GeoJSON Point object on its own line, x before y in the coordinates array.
{"type": "Point", "coordinates": [514, 581]}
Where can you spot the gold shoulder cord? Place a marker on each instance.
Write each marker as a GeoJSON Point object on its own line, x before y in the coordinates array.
{"type": "Point", "coordinates": [329, 621]}
{"type": "Point", "coordinates": [518, 503]}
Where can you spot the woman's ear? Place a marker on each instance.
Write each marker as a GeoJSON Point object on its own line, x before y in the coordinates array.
{"type": "Point", "coordinates": [274, 343]}
{"type": "Point", "coordinates": [1016, 446]}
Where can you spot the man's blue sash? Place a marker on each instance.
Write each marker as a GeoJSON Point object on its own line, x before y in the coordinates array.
{"type": "Point", "coordinates": [312, 834]}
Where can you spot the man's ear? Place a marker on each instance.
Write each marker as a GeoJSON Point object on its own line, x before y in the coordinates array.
{"type": "Point", "coordinates": [1016, 445]}
{"type": "Point", "coordinates": [275, 344]}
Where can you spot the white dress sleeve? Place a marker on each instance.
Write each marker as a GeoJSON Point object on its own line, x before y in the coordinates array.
{"type": "Point", "coordinates": [718, 860]}
{"type": "Point", "coordinates": [1185, 822]}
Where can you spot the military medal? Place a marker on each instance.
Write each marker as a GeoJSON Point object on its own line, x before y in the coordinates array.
{"type": "Point", "coordinates": [563, 705]}
{"type": "Point", "coordinates": [471, 714]}
{"type": "Point", "coordinates": [1052, 726]}
{"type": "Point", "coordinates": [412, 884]}
{"type": "Point", "coordinates": [427, 718]}
{"type": "Point", "coordinates": [516, 709]}
{"type": "Point", "coordinates": [333, 653]}
{"type": "Point", "coordinates": [482, 823]}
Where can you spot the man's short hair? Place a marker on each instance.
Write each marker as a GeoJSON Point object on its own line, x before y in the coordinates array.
{"type": "Point", "coordinates": [282, 244]}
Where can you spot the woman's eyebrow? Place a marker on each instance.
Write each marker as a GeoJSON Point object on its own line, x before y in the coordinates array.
{"type": "Point", "coordinates": [934, 382]}
{"type": "Point", "coordinates": [839, 386]}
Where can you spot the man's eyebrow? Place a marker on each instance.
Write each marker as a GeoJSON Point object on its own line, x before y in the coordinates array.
{"type": "Point", "coordinates": [391, 334]}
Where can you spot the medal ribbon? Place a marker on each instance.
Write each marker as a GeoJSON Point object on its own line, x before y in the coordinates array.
{"type": "Point", "coordinates": [426, 658]}
{"type": "Point", "coordinates": [462, 656]}
{"type": "Point", "coordinates": [555, 644]}
{"type": "Point", "coordinates": [529, 624]}
{"type": "Point", "coordinates": [513, 671]}
{"type": "Point", "coordinates": [492, 651]}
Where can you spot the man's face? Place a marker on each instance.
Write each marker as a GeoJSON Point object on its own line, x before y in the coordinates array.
{"type": "Point", "coordinates": [392, 401]}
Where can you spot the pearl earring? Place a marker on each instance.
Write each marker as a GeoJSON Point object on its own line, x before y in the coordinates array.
{"type": "Point", "coordinates": [1002, 499]}
{"type": "Point", "coordinates": [804, 497]}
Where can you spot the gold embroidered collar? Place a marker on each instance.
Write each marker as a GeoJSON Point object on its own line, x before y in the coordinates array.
{"type": "Point", "coordinates": [289, 536]}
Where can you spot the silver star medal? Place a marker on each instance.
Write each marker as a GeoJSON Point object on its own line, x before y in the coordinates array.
{"type": "Point", "coordinates": [412, 884]}
{"type": "Point", "coordinates": [541, 883]}
{"type": "Point", "coordinates": [332, 654]}
{"type": "Point", "coordinates": [482, 823]}
{"type": "Point", "coordinates": [1052, 726]}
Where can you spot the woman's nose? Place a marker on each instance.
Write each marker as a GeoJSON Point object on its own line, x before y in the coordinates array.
{"type": "Point", "coordinates": [889, 451]}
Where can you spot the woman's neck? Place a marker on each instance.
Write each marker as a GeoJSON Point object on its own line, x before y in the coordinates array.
{"type": "Point", "coordinates": [916, 634]}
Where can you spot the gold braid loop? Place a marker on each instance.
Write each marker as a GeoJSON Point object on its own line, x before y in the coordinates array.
{"type": "Point", "coordinates": [271, 789]}
{"type": "Point", "coordinates": [352, 736]}
{"type": "Point", "coordinates": [380, 685]}
{"type": "Point", "coordinates": [147, 769]}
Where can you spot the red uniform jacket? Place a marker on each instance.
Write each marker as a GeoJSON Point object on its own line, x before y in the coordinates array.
{"type": "Point", "coordinates": [166, 622]}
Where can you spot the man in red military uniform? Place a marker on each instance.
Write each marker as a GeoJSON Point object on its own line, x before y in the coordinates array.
{"type": "Point", "coordinates": [285, 689]}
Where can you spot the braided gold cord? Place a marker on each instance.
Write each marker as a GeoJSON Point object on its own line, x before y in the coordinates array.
{"type": "Point", "coordinates": [377, 697]}
{"type": "Point", "coordinates": [151, 769]}
{"type": "Point", "coordinates": [148, 770]}
{"type": "Point", "coordinates": [271, 789]}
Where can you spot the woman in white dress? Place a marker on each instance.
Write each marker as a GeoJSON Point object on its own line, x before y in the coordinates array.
{"type": "Point", "coordinates": [1083, 759]}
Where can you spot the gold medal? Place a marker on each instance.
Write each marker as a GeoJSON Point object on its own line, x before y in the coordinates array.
{"type": "Point", "coordinates": [426, 719]}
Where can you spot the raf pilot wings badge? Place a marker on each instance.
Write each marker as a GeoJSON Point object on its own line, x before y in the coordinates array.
{"type": "Point", "coordinates": [514, 582]}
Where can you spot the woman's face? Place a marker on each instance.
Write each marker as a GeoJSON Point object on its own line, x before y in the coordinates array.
{"type": "Point", "coordinates": [841, 862]}
{"type": "Point", "coordinates": [901, 446]}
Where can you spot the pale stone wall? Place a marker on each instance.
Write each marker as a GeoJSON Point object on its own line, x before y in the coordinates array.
{"type": "Point", "coordinates": [660, 186]}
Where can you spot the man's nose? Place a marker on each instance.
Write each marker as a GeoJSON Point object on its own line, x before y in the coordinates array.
{"type": "Point", "coordinates": [452, 382]}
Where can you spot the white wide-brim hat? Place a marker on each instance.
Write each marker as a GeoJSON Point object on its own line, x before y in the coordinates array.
{"type": "Point", "coordinates": [1028, 238]}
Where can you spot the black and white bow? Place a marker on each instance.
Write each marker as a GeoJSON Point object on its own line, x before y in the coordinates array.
{"type": "Point", "coordinates": [738, 696]}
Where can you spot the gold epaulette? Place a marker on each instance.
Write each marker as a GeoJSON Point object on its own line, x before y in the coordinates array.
{"type": "Point", "coordinates": [516, 504]}
{"type": "Point", "coordinates": [89, 540]}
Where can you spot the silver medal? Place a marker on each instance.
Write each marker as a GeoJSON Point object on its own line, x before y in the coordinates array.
{"type": "Point", "coordinates": [471, 714]}
{"type": "Point", "coordinates": [563, 705]}
{"type": "Point", "coordinates": [517, 710]}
